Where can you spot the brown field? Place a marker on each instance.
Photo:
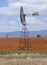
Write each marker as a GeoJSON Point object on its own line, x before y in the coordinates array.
{"type": "Point", "coordinates": [12, 44]}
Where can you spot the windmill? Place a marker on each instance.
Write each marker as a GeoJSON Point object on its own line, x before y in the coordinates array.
{"type": "Point", "coordinates": [25, 40]}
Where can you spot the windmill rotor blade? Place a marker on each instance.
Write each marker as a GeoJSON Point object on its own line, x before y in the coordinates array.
{"type": "Point", "coordinates": [22, 16]}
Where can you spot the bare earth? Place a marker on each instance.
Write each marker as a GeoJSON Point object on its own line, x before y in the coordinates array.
{"type": "Point", "coordinates": [12, 44]}
{"type": "Point", "coordinates": [22, 59]}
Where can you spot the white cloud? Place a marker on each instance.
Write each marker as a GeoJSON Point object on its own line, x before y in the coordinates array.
{"type": "Point", "coordinates": [14, 1]}
{"type": "Point", "coordinates": [9, 29]}
{"type": "Point", "coordinates": [9, 26]}
{"type": "Point", "coordinates": [33, 24]}
{"type": "Point", "coordinates": [32, 20]}
{"type": "Point", "coordinates": [14, 8]}
{"type": "Point", "coordinates": [34, 1]}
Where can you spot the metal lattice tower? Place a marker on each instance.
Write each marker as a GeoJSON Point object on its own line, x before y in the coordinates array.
{"type": "Point", "coordinates": [25, 43]}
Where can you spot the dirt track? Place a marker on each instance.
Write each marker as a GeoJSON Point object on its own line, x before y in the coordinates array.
{"type": "Point", "coordinates": [11, 44]}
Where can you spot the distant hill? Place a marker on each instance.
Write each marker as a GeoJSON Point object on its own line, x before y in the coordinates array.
{"type": "Point", "coordinates": [43, 33]}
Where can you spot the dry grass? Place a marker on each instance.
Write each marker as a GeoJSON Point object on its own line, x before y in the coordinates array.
{"type": "Point", "coordinates": [14, 59]}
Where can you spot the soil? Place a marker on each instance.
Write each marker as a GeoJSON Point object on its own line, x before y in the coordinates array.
{"type": "Point", "coordinates": [12, 44]}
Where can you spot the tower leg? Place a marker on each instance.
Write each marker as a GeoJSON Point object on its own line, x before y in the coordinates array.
{"type": "Point", "coordinates": [25, 43]}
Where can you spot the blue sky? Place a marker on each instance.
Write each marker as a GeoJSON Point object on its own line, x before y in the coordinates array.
{"type": "Point", "coordinates": [3, 3]}
{"type": "Point", "coordinates": [10, 15]}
